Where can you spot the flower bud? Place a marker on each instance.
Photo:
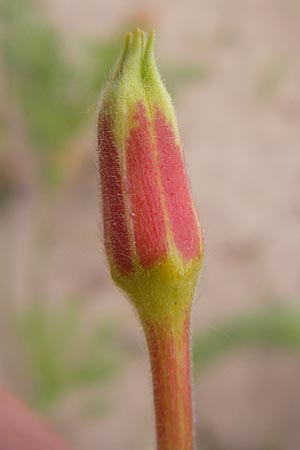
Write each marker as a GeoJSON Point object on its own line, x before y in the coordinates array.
{"type": "Point", "coordinates": [151, 232]}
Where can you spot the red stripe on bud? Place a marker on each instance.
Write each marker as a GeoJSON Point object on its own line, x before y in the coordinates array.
{"type": "Point", "coordinates": [146, 203]}
{"type": "Point", "coordinates": [116, 238]}
{"type": "Point", "coordinates": [175, 183]}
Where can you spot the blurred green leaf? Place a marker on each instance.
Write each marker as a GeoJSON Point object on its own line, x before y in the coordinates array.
{"type": "Point", "coordinates": [100, 56]}
{"type": "Point", "coordinates": [62, 356]}
{"type": "Point", "coordinates": [277, 328]}
{"type": "Point", "coordinates": [271, 77]}
{"type": "Point", "coordinates": [39, 75]}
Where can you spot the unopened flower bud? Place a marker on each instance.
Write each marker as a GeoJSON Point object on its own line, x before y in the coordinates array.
{"type": "Point", "coordinates": [151, 232]}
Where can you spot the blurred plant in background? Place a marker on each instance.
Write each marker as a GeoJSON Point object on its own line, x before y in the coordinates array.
{"type": "Point", "coordinates": [39, 76]}
{"type": "Point", "coordinates": [51, 91]}
{"type": "Point", "coordinates": [272, 328]}
{"type": "Point", "coordinates": [65, 353]}
{"type": "Point", "coordinates": [271, 78]}
{"type": "Point", "coordinates": [275, 327]}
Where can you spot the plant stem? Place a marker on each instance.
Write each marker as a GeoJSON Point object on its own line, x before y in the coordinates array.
{"type": "Point", "coordinates": [169, 349]}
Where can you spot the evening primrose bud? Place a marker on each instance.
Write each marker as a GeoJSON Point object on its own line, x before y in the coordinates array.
{"type": "Point", "coordinates": [152, 236]}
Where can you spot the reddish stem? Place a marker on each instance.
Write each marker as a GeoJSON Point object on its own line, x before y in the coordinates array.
{"type": "Point", "coordinates": [169, 348]}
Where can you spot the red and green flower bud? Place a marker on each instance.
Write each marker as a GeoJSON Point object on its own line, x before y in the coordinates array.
{"type": "Point", "coordinates": [151, 232]}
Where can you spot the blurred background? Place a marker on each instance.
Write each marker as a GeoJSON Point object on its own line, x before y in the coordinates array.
{"type": "Point", "coordinates": [70, 345]}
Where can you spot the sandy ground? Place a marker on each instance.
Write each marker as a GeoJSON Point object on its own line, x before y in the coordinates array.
{"type": "Point", "coordinates": [242, 149]}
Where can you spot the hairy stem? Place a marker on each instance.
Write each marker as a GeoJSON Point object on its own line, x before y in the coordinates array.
{"type": "Point", "coordinates": [169, 349]}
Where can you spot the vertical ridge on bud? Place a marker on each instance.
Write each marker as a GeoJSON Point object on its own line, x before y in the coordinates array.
{"type": "Point", "coordinates": [149, 226]}
{"type": "Point", "coordinates": [181, 213]}
{"type": "Point", "coordinates": [116, 237]}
